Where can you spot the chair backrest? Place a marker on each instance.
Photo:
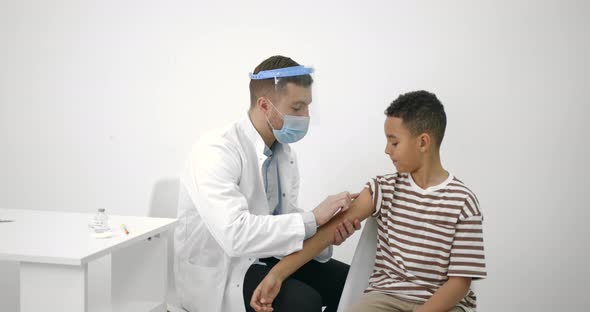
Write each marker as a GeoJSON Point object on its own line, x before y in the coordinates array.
{"type": "Point", "coordinates": [164, 204]}
{"type": "Point", "coordinates": [361, 266]}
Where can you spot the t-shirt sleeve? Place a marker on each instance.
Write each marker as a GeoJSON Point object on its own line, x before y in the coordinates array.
{"type": "Point", "coordinates": [467, 252]}
{"type": "Point", "coordinates": [375, 189]}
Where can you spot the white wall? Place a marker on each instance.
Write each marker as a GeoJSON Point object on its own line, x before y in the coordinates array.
{"type": "Point", "coordinates": [101, 100]}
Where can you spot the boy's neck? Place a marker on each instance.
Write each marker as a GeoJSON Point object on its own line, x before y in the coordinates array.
{"type": "Point", "coordinates": [431, 173]}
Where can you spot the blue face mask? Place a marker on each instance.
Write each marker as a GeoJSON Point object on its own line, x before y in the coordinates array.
{"type": "Point", "coordinates": [294, 128]}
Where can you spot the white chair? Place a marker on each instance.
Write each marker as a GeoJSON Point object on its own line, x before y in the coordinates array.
{"type": "Point", "coordinates": [361, 266]}
{"type": "Point", "coordinates": [164, 203]}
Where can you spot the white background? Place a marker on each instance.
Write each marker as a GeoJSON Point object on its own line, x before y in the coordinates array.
{"type": "Point", "coordinates": [100, 102]}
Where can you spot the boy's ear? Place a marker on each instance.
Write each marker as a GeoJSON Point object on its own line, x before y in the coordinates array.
{"type": "Point", "coordinates": [424, 141]}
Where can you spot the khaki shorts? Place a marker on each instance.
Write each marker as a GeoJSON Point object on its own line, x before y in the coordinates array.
{"type": "Point", "coordinates": [378, 302]}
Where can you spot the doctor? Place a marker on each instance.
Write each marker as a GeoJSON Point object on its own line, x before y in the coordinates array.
{"type": "Point", "coordinates": [238, 205]}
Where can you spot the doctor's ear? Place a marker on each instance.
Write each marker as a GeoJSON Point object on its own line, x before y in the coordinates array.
{"type": "Point", "coordinates": [263, 104]}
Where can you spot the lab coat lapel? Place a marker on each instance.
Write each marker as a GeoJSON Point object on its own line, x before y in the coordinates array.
{"type": "Point", "coordinates": [256, 150]}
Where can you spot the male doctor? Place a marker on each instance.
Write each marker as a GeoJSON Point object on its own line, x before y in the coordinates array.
{"type": "Point", "coordinates": [238, 205]}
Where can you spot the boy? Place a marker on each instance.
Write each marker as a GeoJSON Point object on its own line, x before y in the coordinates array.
{"type": "Point", "coordinates": [430, 242]}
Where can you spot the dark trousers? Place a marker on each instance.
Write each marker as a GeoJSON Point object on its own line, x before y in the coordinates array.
{"type": "Point", "coordinates": [312, 286]}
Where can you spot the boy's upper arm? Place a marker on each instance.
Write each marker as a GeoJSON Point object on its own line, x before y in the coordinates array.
{"type": "Point", "coordinates": [362, 207]}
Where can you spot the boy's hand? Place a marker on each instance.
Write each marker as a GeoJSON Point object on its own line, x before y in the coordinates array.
{"type": "Point", "coordinates": [345, 230]}
{"type": "Point", "coordinates": [265, 293]}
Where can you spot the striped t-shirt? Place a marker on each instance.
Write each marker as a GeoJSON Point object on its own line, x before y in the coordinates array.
{"type": "Point", "coordinates": [425, 236]}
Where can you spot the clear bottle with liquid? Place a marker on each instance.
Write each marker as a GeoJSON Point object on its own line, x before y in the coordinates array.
{"type": "Point", "coordinates": [100, 222]}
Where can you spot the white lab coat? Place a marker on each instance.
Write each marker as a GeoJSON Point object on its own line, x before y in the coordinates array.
{"type": "Point", "coordinates": [224, 222]}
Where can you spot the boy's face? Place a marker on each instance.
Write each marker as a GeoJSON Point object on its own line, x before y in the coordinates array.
{"type": "Point", "coordinates": [402, 147]}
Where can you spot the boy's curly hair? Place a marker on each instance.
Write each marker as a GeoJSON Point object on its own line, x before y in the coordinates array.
{"type": "Point", "coordinates": [421, 112]}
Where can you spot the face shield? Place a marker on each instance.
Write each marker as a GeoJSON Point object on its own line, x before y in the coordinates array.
{"type": "Point", "coordinates": [294, 127]}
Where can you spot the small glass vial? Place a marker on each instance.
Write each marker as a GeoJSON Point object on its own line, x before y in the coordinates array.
{"type": "Point", "coordinates": [100, 222]}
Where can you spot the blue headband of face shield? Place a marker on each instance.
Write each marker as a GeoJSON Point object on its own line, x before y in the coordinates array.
{"type": "Point", "coordinates": [282, 72]}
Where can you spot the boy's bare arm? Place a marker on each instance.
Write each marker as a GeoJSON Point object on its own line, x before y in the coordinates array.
{"type": "Point", "coordinates": [446, 297]}
{"type": "Point", "coordinates": [361, 208]}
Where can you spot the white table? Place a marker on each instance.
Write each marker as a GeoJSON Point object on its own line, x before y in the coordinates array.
{"type": "Point", "coordinates": [63, 268]}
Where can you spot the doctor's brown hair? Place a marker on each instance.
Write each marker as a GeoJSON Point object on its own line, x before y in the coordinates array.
{"type": "Point", "coordinates": [263, 87]}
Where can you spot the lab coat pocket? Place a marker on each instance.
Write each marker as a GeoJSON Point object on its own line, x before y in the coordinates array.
{"type": "Point", "coordinates": [203, 273]}
{"type": "Point", "coordinates": [200, 287]}
{"type": "Point", "coordinates": [206, 257]}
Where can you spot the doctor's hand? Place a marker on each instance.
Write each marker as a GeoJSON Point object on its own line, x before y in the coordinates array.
{"type": "Point", "coordinates": [265, 293]}
{"type": "Point", "coordinates": [344, 230]}
{"type": "Point", "coordinates": [331, 205]}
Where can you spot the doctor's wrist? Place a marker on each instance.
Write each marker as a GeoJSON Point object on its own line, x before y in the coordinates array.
{"type": "Point", "coordinates": [316, 216]}
{"type": "Point", "coordinates": [309, 221]}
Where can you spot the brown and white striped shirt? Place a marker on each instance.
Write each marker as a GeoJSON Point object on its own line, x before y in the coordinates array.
{"type": "Point", "coordinates": [425, 236]}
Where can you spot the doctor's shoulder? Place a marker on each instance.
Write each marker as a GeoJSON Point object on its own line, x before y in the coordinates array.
{"type": "Point", "coordinates": [217, 142]}
{"type": "Point", "coordinates": [212, 137]}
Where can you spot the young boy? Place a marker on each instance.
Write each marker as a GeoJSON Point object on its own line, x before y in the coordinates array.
{"type": "Point", "coordinates": [430, 241]}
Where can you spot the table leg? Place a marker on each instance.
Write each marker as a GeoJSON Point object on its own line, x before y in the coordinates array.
{"type": "Point", "coordinates": [9, 286]}
{"type": "Point", "coordinates": [140, 275]}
